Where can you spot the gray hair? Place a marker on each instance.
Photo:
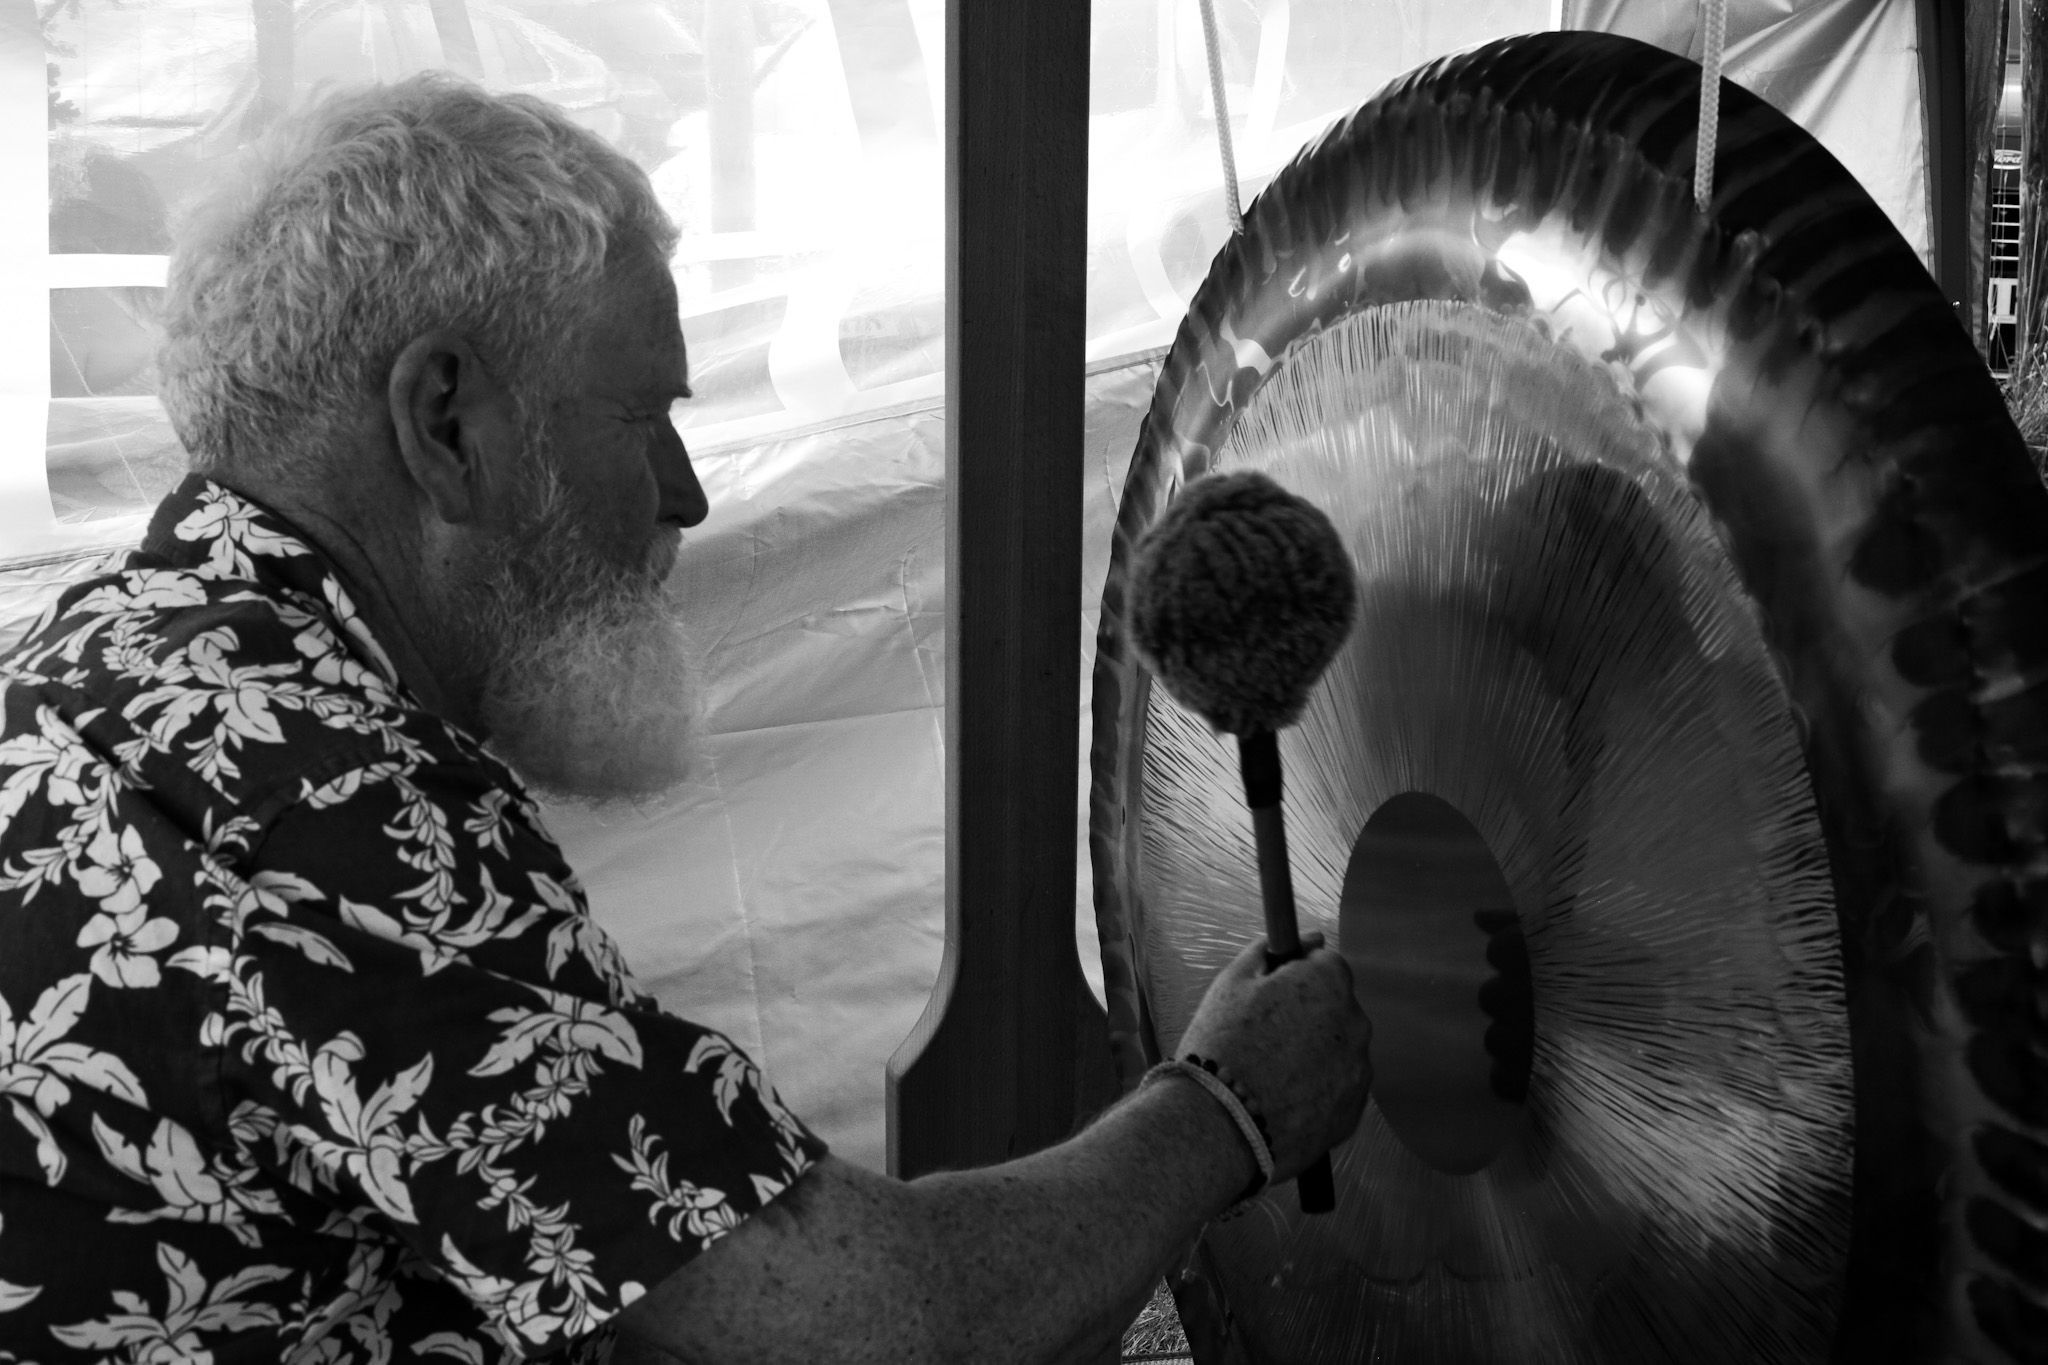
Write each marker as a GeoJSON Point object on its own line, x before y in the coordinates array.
{"type": "Point", "coordinates": [376, 215]}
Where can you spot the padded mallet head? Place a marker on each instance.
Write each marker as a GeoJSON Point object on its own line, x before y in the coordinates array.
{"type": "Point", "coordinates": [1241, 595]}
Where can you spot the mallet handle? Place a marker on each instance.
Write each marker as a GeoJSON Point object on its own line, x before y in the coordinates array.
{"type": "Point", "coordinates": [1258, 756]}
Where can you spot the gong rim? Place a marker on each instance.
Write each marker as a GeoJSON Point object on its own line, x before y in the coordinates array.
{"type": "Point", "coordinates": [1878, 505]}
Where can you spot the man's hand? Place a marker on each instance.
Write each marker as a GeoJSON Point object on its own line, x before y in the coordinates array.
{"type": "Point", "coordinates": [1296, 1041]}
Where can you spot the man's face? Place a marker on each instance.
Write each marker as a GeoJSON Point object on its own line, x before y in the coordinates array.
{"type": "Point", "coordinates": [614, 446]}
{"type": "Point", "coordinates": [589, 689]}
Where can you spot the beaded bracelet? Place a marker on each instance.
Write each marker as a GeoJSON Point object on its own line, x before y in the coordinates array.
{"type": "Point", "coordinates": [1237, 1103]}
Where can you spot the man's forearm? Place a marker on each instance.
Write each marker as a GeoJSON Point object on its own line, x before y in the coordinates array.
{"type": "Point", "coordinates": [1090, 1224]}
{"type": "Point", "coordinates": [1023, 1262]}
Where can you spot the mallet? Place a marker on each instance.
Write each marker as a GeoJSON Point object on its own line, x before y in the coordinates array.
{"type": "Point", "coordinates": [1241, 594]}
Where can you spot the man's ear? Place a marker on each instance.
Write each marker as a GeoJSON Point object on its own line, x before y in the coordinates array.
{"type": "Point", "coordinates": [455, 424]}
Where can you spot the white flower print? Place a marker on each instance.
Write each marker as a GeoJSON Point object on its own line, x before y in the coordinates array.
{"type": "Point", "coordinates": [120, 872]}
{"type": "Point", "coordinates": [736, 1074]}
{"type": "Point", "coordinates": [423, 838]}
{"type": "Point", "coordinates": [130, 655]}
{"type": "Point", "coordinates": [53, 761]}
{"type": "Point", "coordinates": [450, 1346]}
{"type": "Point", "coordinates": [698, 1210]}
{"type": "Point", "coordinates": [438, 941]}
{"type": "Point", "coordinates": [265, 895]}
{"type": "Point", "coordinates": [193, 1187]}
{"type": "Point", "coordinates": [352, 624]}
{"type": "Point", "coordinates": [53, 765]}
{"type": "Point", "coordinates": [517, 1305]}
{"type": "Point", "coordinates": [352, 692]}
{"type": "Point", "coordinates": [144, 590]}
{"type": "Point", "coordinates": [122, 943]}
{"type": "Point", "coordinates": [489, 823]}
{"type": "Point", "coordinates": [192, 1308]}
{"type": "Point", "coordinates": [242, 693]}
{"type": "Point", "coordinates": [261, 907]}
{"type": "Point", "coordinates": [207, 709]}
{"type": "Point", "coordinates": [250, 1018]}
{"type": "Point", "coordinates": [360, 1313]}
{"type": "Point", "coordinates": [229, 835]}
{"type": "Point", "coordinates": [38, 1066]}
{"type": "Point", "coordinates": [369, 1147]}
{"type": "Point", "coordinates": [229, 528]}
{"type": "Point", "coordinates": [571, 1025]}
{"type": "Point", "coordinates": [577, 934]}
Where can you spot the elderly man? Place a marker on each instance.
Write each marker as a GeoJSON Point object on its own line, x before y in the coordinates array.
{"type": "Point", "coordinates": [309, 1047]}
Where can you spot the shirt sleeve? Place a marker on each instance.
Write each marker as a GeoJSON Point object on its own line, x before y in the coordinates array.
{"type": "Point", "coordinates": [422, 1027]}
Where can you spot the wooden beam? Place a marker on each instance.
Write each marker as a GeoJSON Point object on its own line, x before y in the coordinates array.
{"type": "Point", "coordinates": [1944, 88]}
{"type": "Point", "coordinates": [1011, 1054]}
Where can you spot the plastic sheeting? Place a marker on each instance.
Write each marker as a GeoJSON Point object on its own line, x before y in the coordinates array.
{"type": "Point", "coordinates": [1846, 70]}
{"type": "Point", "coordinates": [796, 142]}
{"type": "Point", "coordinates": [793, 895]}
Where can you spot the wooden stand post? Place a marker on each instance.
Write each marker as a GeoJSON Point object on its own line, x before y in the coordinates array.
{"type": "Point", "coordinates": [1011, 1054]}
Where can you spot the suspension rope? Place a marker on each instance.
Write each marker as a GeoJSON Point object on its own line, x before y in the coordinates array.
{"type": "Point", "coordinates": [1710, 101]}
{"type": "Point", "coordinates": [1215, 47]}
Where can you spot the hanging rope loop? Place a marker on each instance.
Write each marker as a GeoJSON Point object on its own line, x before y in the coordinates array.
{"type": "Point", "coordinates": [1215, 47]}
{"type": "Point", "coordinates": [1715, 13]}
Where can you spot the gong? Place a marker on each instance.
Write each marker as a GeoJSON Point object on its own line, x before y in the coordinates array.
{"type": "Point", "coordinates": [1677, 798]}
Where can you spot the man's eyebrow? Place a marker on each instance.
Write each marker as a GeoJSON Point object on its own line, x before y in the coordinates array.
{"type": "Point", "coordinates": [666, 391]}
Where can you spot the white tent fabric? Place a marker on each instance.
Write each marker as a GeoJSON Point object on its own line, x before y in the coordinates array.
{"type": "Point", "coordinates": [793, 894]}
{"type": "Point", "coordinates": [1846, 70]}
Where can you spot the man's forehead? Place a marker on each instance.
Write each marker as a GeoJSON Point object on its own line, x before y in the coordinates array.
{"type": "Point", "coordinates": [642, 374]}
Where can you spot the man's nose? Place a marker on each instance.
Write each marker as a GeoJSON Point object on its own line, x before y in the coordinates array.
{"type": "Point", "coordinates": [682, 497]}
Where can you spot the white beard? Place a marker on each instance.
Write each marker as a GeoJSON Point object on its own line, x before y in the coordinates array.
{"type": "Point", "coordinates": [592, 689]}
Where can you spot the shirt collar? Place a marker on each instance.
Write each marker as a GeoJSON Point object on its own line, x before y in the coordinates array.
{"type": "Point", "coordinates": [209, 530]}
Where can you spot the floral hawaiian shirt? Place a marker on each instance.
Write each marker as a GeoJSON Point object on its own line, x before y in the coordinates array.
{"type": "Point", "coordinates": [309, 1049]}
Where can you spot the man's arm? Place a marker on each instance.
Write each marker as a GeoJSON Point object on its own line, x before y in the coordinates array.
{"type": "Point", "coordinates": [1024, 1261]}
{"type": "Point", "coordinates": [1040, 1259]}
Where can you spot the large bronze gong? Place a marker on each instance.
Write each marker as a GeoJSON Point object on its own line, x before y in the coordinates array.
{"type": "Point", "coordinates": [1678, 798]}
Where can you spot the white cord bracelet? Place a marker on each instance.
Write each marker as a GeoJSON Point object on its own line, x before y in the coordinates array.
{"type": "Point", "coordinates": [1207, 1075]}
